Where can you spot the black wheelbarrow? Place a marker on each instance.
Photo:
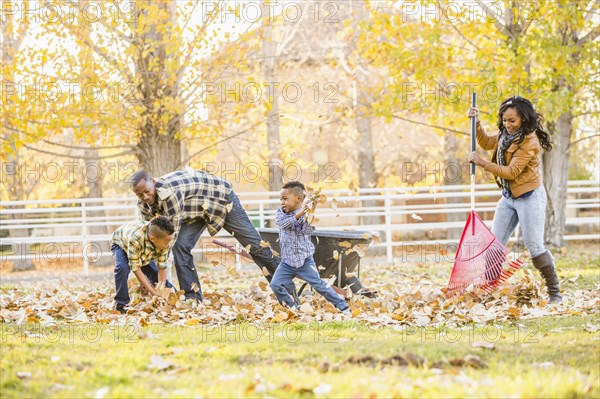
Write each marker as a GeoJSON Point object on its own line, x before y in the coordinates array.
{"type": "Point", "coordinates": [346, 267]}
{"type": "Point", "coordinates": [326, 242]}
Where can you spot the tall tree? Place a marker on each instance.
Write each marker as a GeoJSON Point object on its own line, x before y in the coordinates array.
{"type": "Point", "coordinates": [14, 184]}
{"type": "Point", "coordinates": [151, 58]}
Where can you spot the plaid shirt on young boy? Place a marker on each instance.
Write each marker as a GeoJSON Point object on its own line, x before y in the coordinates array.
{"type": "Point", "coordinates": [189, 194]}
{"type": "Point", "coordinates": [134, 239]}
{"type": "Point", "coordinates": [294, 237]}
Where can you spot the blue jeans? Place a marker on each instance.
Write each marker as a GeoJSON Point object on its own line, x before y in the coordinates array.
{"type": "Point", "coordinates": [530, 213]}
{"type": "Point", "coordinates": [308, 272]}
{"type": "Point", "coordinates": [239, 225]}
{"type": "Point", "coordinates": [122, 274]}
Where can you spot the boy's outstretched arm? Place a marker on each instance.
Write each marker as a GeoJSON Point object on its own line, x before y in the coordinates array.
{"type": "Point", "coordinates": [307, 207]}
{"type": "Point", "coordinates": [162, 275]}
{"type": "Point", "coordinates": [145, 282]}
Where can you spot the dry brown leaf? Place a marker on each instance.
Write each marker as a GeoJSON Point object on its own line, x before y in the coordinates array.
{"type": "Point", "coordinates": [416, 217]}
{"type": "Point", "coordinates": [22, 375]}
{"type": "Point", "coordinates": [486, 345]}
{"type": "Point", "coordinates": [232, 271]}
{"type": "Point", "coordinates": [360, 249]}
{"type": "Point", "coordinates": [334, 204]}
{"type": "Point", "coordinates": [172, 299]}
{"type": "Point", "coordinates": [158, 363]}
{"type": "Point", "coordinates": [353, 187]}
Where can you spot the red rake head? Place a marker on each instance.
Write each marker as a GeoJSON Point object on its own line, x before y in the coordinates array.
{"type": "Point", "coordinates": [513, 266]}
{"type": "Point", "coordinates": [479, 257]}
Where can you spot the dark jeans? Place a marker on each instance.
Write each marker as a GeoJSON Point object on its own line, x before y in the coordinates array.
{"type": "Point", "coordinates": [238, 224]}
{"type": "Point", "coordinates": [122, 273]}
{"type": "Point", "coordinates": [308, 272]}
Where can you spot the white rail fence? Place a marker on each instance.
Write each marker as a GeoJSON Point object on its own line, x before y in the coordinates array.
{"type": "Point", "coordinates": [401, 216]}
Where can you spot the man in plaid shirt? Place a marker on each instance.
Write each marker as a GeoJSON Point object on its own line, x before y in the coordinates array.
{"type": "Point", "coordinates": [195, 200]}
{"type": "Point", "coordinates": [138, 247]}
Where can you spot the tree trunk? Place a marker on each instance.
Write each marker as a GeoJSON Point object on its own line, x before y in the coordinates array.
{"type": "Point", "coordinates": [17, 193]}
{"type": "Point", "coordinates": [94, 185]}
{"type": "Point", "coordinates": [159, 154]}
{"type": "Point", "coordinates": [556, 177]}
{"type": "Point", "coordinates": [13, 34]}
{"type": "Point", "coordinates": [269, 48]}
{"type": "Point", "coordinates": [273, 137]}
{"type": "Point", "coordinates": [367, 176]}
{"type": "Point", "coordinates": [159, 149]}
{"type": "Point", "coordinates": [366, 161]}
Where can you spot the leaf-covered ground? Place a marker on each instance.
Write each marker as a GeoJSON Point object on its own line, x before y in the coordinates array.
{"type": "Point", "coordinates": [410, 340]}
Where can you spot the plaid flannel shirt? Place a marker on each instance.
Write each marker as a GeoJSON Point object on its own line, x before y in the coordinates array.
{"type": "Point", "coordinates": [133, 238]}
{"type": "Point", "coordinates": [188, 194]}
{"type": "Point", "coordinates": [294, 237]}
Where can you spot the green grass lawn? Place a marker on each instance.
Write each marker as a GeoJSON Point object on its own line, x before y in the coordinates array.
{"type": "Point", "coordinates": [557, 356]}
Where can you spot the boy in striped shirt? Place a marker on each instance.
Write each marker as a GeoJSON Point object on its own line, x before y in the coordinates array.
{"type": "Point", "coordinates": [297, 249]}
{"type": "Point", "coordinates": [138, 247]}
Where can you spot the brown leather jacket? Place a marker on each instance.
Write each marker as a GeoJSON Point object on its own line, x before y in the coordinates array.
{"type": "Point", "coordinates": [523, 161]}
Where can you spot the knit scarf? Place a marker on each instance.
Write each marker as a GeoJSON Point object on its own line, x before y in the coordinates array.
{"type": "Point", "coordinates": [504, 141]}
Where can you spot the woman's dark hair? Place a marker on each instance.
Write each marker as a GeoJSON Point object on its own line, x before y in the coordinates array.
{"type": "Point", "coordinates": [532, 121]}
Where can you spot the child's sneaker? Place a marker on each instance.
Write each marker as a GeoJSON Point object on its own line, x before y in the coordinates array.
{"type": "Point", "coordinates": [347, 312]}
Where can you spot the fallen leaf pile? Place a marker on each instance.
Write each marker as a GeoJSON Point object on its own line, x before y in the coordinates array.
{"type": "Point", "coordinates": [403, 299]}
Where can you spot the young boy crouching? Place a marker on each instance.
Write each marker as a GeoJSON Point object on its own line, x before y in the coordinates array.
{"type": "Point", "coordinates": [138, 247]}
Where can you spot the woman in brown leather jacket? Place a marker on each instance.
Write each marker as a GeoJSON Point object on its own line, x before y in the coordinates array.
{"type": "Point", "coordinates": [516, 166]}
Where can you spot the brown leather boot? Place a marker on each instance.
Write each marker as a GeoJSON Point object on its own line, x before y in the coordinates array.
{"type": "Point", "coordinates": [545, 264]}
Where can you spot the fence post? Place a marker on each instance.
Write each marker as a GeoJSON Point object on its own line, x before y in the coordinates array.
{"type": "Point", "coordinates": [84, 236]}
{"type": "Point", "coordinates": [238, 258]}
{"type": "Point", "coordinates": [388, 228]}
{"type": "Point", "coordinates": [261, 215]}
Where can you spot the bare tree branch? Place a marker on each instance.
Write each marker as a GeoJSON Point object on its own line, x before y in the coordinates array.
{"type": "Point", "coordinates": [234, 147]}
{"type": "Point", "coordinates": [490, 14]}
{"type": "Point", "coordinates": [74, 147]}
{"type": "Point", "coordinates": [180, 72]}
{"type": "Point", "coordinates": [458, 31]}
{"type": "Point", "coordinates": [590, 36]}
{"type": "Point", "coordinates": [446, 129]}
{"type": "Point", "coordinates": [73, 156]}
{"type": "Point", "coordinates": [103, 54]}
{"type": "Point", "coordinates": [591, 10]}
{"type": "Point", "coordinates": [583, 138]}
{"type": "Point", "coordinates": [185, 161]}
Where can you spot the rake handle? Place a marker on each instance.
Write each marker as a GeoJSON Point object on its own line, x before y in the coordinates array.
{"type": "Point", "coordinates": [473, 148]}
